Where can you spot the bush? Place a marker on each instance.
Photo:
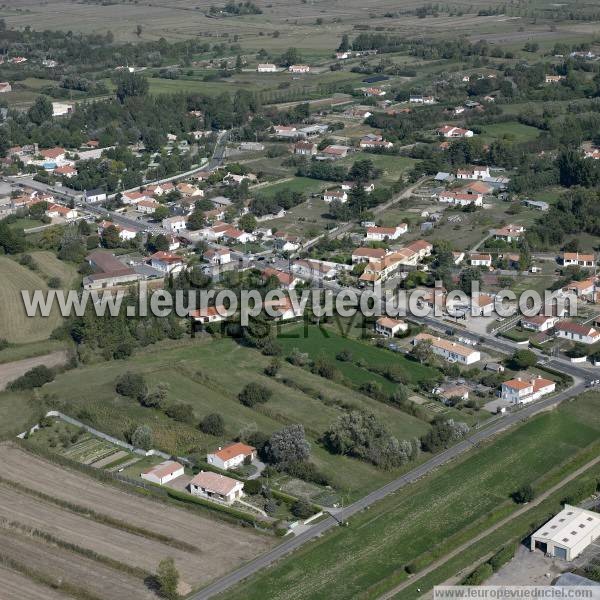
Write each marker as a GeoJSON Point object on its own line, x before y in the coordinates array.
{"type": "Point", "coordinates": [524, 494]}
{"type": "Point", "coordinates": [132, 385]}
{"type": "Point", "coordinates": [273, 367]}
{"type": "Point", "coordinates": [253, 394]}
{"type": "Point", "coordinates": [503, 556]}
{"type": "Point", "coordinates": [54, 283]}
{"type": "Point", "coordinates": [4, 344]}
{"type": "Point", "coordinates": [479, 575]}
{"type": "Point", "coordinates": [213, 424]}
{"type": "Point", "coordinates": [253, 486]}
{"type": "Point", "coordinates": [180, 412]}
{"type": "Point", "coordinates": [142, 437]}
{"type": "Point", "coordinates": [302, 509]}
{"type": "Point", "coordinates": [34, 378]}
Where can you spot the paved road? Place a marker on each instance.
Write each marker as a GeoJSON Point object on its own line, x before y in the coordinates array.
{"type": "Point", "coordinates": [251, 568]}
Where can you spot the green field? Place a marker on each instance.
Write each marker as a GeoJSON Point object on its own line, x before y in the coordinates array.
{"type": "Point", "coordinates": [15, 325]}
{"type": "Point", "coordinates": [199, 373]}
{"type": "Point", "coordinates": [512, 130]}
{"type": "Point", "coordinates": [428, 518]}
{"type": "Point", "coordinates": [18, 413]}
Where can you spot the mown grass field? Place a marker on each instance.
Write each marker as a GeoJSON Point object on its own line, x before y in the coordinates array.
{"type": "Point", "coordinates": [419, 523]}
{"type": "Point", "coordinates": [199, 373]}
{"type": "Point", "coordinates": [15, 325]}
{"type": "Point", "coordinates": [512, 130]}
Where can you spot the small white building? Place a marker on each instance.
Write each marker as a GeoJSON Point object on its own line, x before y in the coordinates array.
{"type": "Point", "coordinates": [165, 262]}
{"type": "Point", "coordinates": [576, 332]}
{"type": "Point", "coordinates": [450, 351]}
{"type": "Point", "coordinates": [451, 132]}
{"type": "Point", "coordinates": [567, 534]}
{"type": "Point", "coordinates": [481, 260]}
{"type": "Point", "coordinates": [539, 323]}
{"type": "Point", "coordinates": [379, 234]}
{"type": "Point", "coordinates": [332, 195]}
{"type": "Point", "coordinates": [266, 68]}
{"type": "Point", "coordinates": [163, 473]}
{"type": "Point", "coordinates": [174, 224]}
{"type": "Point", "coordinates": [473, 173]}
{"type": "Point", "coordinates": [579, 259]}
{"type": "Point", "coordinates": [389, 327]}
{"type": "Point", "coordinates": [231, 456]}
{"type": "Point", "coordinates": [216, 487]}
{"type": "Point", "coordinates": [218, 256]}
{"type": "Point", "coordinates": [298, 68]}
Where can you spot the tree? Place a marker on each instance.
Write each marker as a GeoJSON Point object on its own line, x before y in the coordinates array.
{"type": "Point", "coordinates": [288, 446]}
{"type": "Point", "coordinates": [132, 385]}
{"type": "Point", "coordinates": [142, 437]}
{"type": "Point", "coordinates": [524, 494]}
{"type": "Point", "coordinates": [131, 85]}
{"type": "Point", "coordinates": [253, 394]}
{"type": "Point", "coordinates": [248, 223]}
{"type": "Point", "coordinates": [167, 578]}
{"type": "Point", "coordinates": [523, 359]}
{"type": "Point", "coordinates": [34, 378]}
{"type": "Point", "coordinates": [110, 237]}
{"type": "Point", "coordinates": [302, 509]}
{"type": "Point", "coordinates": [467, 277]}
{"type": "Point", "coordinates": [290, 57]}
{"type": "Point", "coordinates": [443, 433]}
{"type": "Point", "coordinates": [422, 351]}
{"type": "Point", "coordinates": [41, 110]}
{"type": "Point", "coordinates": [344, 44]}
{"type": "Point", "coordinates": [138, 30]}
{"type": "Point", "coordinates": [213, 424]}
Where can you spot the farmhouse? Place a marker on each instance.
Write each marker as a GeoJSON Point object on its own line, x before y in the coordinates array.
{"type": "Point", "coordinates": [521, 391]}
{"type": "Point", "coordinates": [450, 351]}
{"type": "Point", "coordinates": [333, 195]}
{"type": "Point", "coordinates": [575, 332]}
{"type": "Point", "coordinates": [460, 199]}
{"type": "Point", "coordinates": [376, 144]}
{"type": "Point", "coordinates": [380, 234]}
{"type": "Point", "coordinates": [554, 78]}
{"type": "Point", "coordinates": [473, 173]}
{"type": "Point", "coordinates": [216, 487]}
{"type": "Point", "coordinates": [568, 534]}
{"type": "Point", "coordinates": [335, 152]}
{"type": "Point", "coordinates": [575, 258]}
{"type": "Point", "coordinates": [390, 327]}
{"type": "Point", "coordinates": [163, 473]}
{"type": "Point", "coordinates": [508, 233]}
{"type": "Point", "coordinates": [231, 456]}
{"type": "Point", "coordinates": [449, 131]}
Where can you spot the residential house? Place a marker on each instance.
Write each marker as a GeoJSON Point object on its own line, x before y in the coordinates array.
{"type": "Point", "coordinates": [481, 260]}
{"type": "Point", "coordinates": [342, 55]}
{"type": "Point", "coordinates": [368, 255]}
{"type": "Point", "coordinates": [189, 191]}
{"type": "Point", "coordinates": [282, 309]}
{"type": "Point", "coordinates": [217, 256]}
{"type": "Point", "coordinates": [163, 473]}
{"type": "Point", "coordinates": [147, 207]}
{"type": "Point", "coordinates": [450, 351]}
{"type": "Point", "coordinates": [474, 173]}
{"type": "Point", "coordinates": [58, 210]}
{"type": "Point", "coordinates": [335, 195]}
{"type": "Point", "coordinates": [304, 148]}
{"type": "Point", "coordinates": [522, 391]}
{"type": "Point", "coordinates": [61, 109]}
{"type": "Point", "coordinates": [316, 269]}
{"type": "Point", "coordinates": [95, 195]}
{"type": "Point", "coordinates": [389, 327]}
{"type": "Point", "coordinates": [165, 262]}
{"type": "Point", "coordinates": [67, 171]}
{"type": "Point", "coordinates": [539, 323]}
{"type": "Point", "coordinates": [266, 68]}
{"type": "Point", "coordinates": [582, 289]}
{"type": "Point", "coordinates": [134, 197]}
{"type": "Point", "coordinates": [215, 486]}
{"type": "Point", "coordinates": [285, 242]}
{"type": "Point", "coordinates": [356, 112]}
{"type": "Point", "coordinates": [379, 234]}
{"type": "Point", "coordinates": [286, 281]}
{"type": "Point", "coordinates": [335, 152]}
{"type": "Point", "coordinates": [231, 456]}
{"type": "Point", "coordinates": [55, 155]}
{"type": "Point", "coordinates": [175, 224]}
{"type": "Point", "coordinates": [298, 68]}
{"type": "Point", "coordinates": [450, 131]}
{"type": "Point", "coordinates": [576, 332]}
{"type": "Point", "coordinates": [579, 259]}
{"type": "Point", "coordinates": [125, 234]}
{"type": "Point", "coordinates": [209, 314]}
{"type": "Point", "coordinates": [376, 144]}
{"type": "Point", "coordinates": [460, 199]}
{"type": "Point", "coordinates": [482, 305]}
{"type": "Point", "coordinates": [238, 236]}
{"type": "Point", "coordinates": [458, 257]}
{"type": "Point", "coordinates": [554, 78]}
{"type": "Point", "coordinates": [508, 233]}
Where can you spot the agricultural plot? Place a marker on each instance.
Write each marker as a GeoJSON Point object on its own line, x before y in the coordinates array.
{"type": "Point", "coordinates": [202, 548]}
{"type": "Point", "coordinates": [430, 517]}
{"type": "Point", "coordinates": [16, 587]}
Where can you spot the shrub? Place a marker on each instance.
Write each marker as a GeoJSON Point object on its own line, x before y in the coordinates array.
{"type": "Point", "coordinates": [142, 437]}
{"type": "Point", "coordinates": [524, 494]}
{"type": "Point", "coordinates": [253, 486]}
{"type": "Point", "coordinates": [3, 344]}
{"type": "Point", "coordinates": [54, 283]}
{"type": "Point", "coordinates": [180, 412]}
{"type": "Point", "coordinates": [34, 378]}
{"type": "Point", "coordinates": [132, 385]}
{"type": "Point", "coordinates": [273, 367]}
{"type": "Point", "coordinates": [302, 509]}
{"type": "Point", "coordinates": [503, 556]}
{"type": "Point", "coordinates": [253, 394]}
{"type": "Point", "coordinates": [213, 424]}
{"type": "Point", "coordinates": [479, 575]}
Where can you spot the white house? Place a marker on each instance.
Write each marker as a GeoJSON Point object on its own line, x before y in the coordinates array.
{"type": "Point", "coordinates": [473, 173]}
{"type": "Point", "coordinates": [285, 242]}
{"type": "Point", "coordinates": [57, 210]}
{"type": "Point", "coordinates": [282, 310]}
{"type": "Point", "coordinates": [508, 233]}
{"type": "Point", "coordinates": [174, 224]}
{"type": "Point", "coordinates": [96, 195]}
{"type": "Point", "coordinates": [231, 456]}
{"type": "Point", "coordinates": [481, 260]}
{"type": "Point", "coordinates": [389, 327]}
{"type": "Point", "coordinates": [539, 323]}
{"type": "Point", "coordinates": [521, 391]}
{"type": "Point", "coordinates": [266, 68]}
{"type": "Point", "coordinates": [576, 332]}
{"type": "Point", "coordinates": [460, 199]}
{"type": "Point", "coordinates": [449, 131]}
{"type": "Point", "coordinates": [60, 109]}
{"type": "Point", "coordinates": [147, 207]}
{"type": "Point", "coordinates": [218, 256]}
{"type": "Point", "coordinates": [379, 234]}
{"type": "Point", "coordinates": [450, 351]}
{"type": "Point", "coordinates": [163, 473]}
{"type": "Point", "coordinates": [482, 305]}
{"type": "Point", "coordinates": [166, 262]}
{"type": "Point", "coordinates": [315, 269]}
{"type": "Point", "coordinates": [568, 534]}
{"type": "Point", "coordinates": [298, 68]}
{"type": "Point", "coordinates": [576, 258]}
{"type": "Point", "coordinates": [209, 314]}
{"type": "Point", "coordinates": [216, 487]}
{"type": "Point", "coordinates": [338, 195]}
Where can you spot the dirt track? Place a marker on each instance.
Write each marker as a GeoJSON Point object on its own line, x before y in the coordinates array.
{"type": "Point", "coordinates": [222, 546]}
{"type": "Point", "coordinates": [16, 587]}
{"type": "Point", "coordinates": [11, 371]}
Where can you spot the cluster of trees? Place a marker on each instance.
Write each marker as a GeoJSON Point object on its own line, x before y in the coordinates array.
{"type": "Point", "coordinates": [360, 434]}
{"type": "Point", "coordinates": [286, 199]}
{"type": "Point", "coordinates": [443, 433]}
{"type": "Point", "coordinates": [34, 378]}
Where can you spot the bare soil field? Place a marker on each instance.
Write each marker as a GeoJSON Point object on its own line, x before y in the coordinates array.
{"type": "Point", "coordinates": [102, 581]}
{"type": "Point", "coordinates": [223, 546]}
{"type": "Point", "coordinates": [16, 587]}
{"type": "Point", "coordinates": [13, 370]}
{"type": "Point", "coordinates": [130, 549]}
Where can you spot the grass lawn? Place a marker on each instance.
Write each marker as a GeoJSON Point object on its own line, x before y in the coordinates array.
{"type": "Point", "coordinates": [305, 185]}
{"type": "Point", "coordinates": [512, 130]}
{"type": "Point", "coordinates": [26, 224]}
{"type": "Point", "coordinates": [199, 373]}
{"type": "Point", "coordinates": [21, 351]}
{"type": "Point", "coordinates": [426, 519]}
{"type": "Point", "coordinates": [17, 413]}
